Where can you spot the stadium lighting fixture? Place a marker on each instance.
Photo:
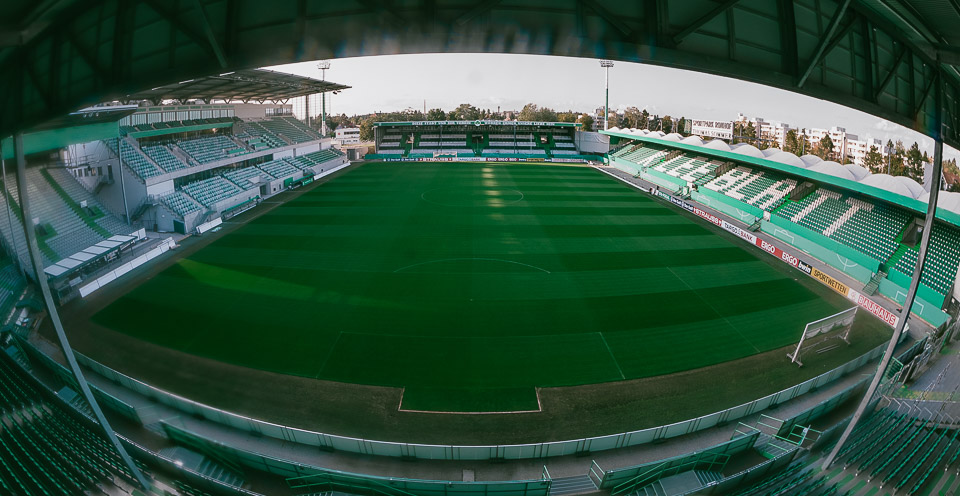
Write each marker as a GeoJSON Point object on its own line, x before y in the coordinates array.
{"type": "Point", "coordinates": [606, 64]}
{"type": "Point", "coordinates": [323, 65]}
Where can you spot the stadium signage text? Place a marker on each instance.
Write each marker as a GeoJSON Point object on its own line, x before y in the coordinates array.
{"type": "Point", "coordinates": [713, 129]}
{"type": "Point", "coordinates": [831, 282]}
{"type": "Point", "coordinates": [851, 294]}
{"type": "Point", "coordinates": [478, 123]}
{"type": "Point", "coordinates": [873, 307]}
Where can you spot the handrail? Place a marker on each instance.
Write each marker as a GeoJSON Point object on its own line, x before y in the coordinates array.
{"type": "Point", "coordinates": [634, 482]}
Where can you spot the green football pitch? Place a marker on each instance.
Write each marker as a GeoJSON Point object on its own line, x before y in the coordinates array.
{"type": "Point", "coordinates": [471, 285]}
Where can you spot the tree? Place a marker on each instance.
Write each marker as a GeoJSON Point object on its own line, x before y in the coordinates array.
{"type": "Point", "coordinates": [682, 125]}
{"type": "Point", "coordinates": [897, 160]}
{"type": "Point", "coordinates": [587, 121]}
{"type": "Point", "coordinates": [436, 115]}
{"type": "Point", "coordinates": [950, 165]}
{"type": "Point", "coordinates": [914, 163]}
{"type": "Point", "coordinates": [528, 113]}
{"type": "Point", "coordinates": [824, 149]}
{"type": "Point", "coordinates": [873, 160]}
{"type": "Point", "coordinates": [545, 114]}
{"type": "Point", "coordinates": [465, 112]}
{"type": "Point", "coordinates": [749, 134]}
{"type": "Point", "coordinates": [791, 143]}
{"type": "Point", "coordinates": [644, 120]}
{"type": "Point", "coordinates": [667, 124]}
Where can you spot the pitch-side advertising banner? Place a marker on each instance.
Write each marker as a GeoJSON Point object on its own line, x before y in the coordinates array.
{"type": "Point", "coordinates": [861, 300]}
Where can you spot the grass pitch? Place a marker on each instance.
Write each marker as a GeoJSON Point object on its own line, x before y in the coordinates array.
{"type": "Point", "coordinates": [471, 285]}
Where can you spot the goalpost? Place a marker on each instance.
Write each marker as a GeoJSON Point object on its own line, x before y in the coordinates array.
{"type": "Point", "coordinates": [841, 322]}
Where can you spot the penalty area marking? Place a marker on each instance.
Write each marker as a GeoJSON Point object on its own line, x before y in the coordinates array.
{"type": "Point", "coordinates": [538, 410]}
{"type": "Point", "coordinates": [468, 258]}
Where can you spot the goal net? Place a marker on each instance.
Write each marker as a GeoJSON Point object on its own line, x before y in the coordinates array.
{"type": "Point", "coordinates": [836, 326]}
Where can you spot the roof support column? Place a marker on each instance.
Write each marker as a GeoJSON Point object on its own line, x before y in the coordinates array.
{"type": "Point", "coordinates": [6, 193]}
{"type": "Point", "coordinates": [917, 271]}
{"type": "Point", "coordinates": [54, 315]}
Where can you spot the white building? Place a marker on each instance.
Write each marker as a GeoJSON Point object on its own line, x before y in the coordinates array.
{"type": "Point", "coordinates": [347, 135]}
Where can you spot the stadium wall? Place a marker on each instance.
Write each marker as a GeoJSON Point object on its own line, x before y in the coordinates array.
{"type": "Point", "coordinates": [922, 307]}
{"type": "Point", "coordinates": [453, 452]}
{"type": "Point", "coordinates": [111, 195]}
{"type": "Point", "coordinates": [303, 150]}
{"type": "Point", "coordinates": [846, 260]}
{"type": "Point", "coordinates": [746, 213]}
{"type": "Point", "coordinates": [320, 478]}
{"type": "Point", "coordinates": [924, 291]}
{"type": "Point", "coordinates": [650, 175]}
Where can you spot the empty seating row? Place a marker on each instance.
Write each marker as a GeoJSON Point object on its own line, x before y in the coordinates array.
{"type": "Point", "coordinates": [508, 144]}
{"type": "Point", "coordinates": [211, 148]}
{"type": "Point", "coordinates": [179, 203]}
{"type": "Point", "coordinates": [511, 136]}
{"type": "Point", "coordinates": [212, 190]}
{"type": "Point", "coordinates": [247, 177]}
{"type": "Point", "coordinates": [279, 168]}
{"type": "Point", "coordinates": [44, 449]}
{"type": "Point", "coordinates": [900, 450]}
{"type": "Point", "coordinates": [290, 128]}
{"type": "Point", "coordinates": [940, 269]}
{"type": "Point", "coordinates": [140, 165]}
{"type": "Point", "coordinates": [164, 158]}
{"type": "Point", "coordinates": [873, 231]}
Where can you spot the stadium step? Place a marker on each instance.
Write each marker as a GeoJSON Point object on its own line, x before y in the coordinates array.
{"type": "Point", "coordinates": [871, 287]}
{"type": "Point", "coordinates": [572, 485]}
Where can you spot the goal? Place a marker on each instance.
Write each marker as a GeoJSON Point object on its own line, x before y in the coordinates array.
{"type": "Point", "coordinates": [836, 326]}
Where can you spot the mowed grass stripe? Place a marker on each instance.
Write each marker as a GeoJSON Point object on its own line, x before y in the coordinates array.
{"type": "Point", "coordinates": [558, 256]}
{"type": "Point", "coordinates": [487, 229]}
{"type": "Point", "coordinates": [464, 362]}
{"type": "Point", "coordinates": [278, 226]}
{"type": "Point", "coordinates": [362, 280]}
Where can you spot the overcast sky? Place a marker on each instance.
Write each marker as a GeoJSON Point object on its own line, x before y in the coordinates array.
{"type": "Point", "coordinates": [396, 82]}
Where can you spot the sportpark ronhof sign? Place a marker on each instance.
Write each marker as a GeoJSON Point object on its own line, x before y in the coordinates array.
{"type": "Point", "coordinates": [851, 294]}
{"type": "Point", "coordinates": [713, 129]}
{"type": "Point", "coordinates": [479, 123]}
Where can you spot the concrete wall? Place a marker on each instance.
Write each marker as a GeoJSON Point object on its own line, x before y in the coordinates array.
{"type": "Point", "coordinates": [111, 195]}
{"type": "Point", "coordinates": [303, 150]}
{"type": "Point", "coordinates": [591, 142]}
{"type": "Point", "coordinates": [255, 110]}
{"type": "Point", "coordinates": [222, 205]}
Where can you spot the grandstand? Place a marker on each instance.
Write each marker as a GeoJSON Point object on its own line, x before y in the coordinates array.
{"type": "Point", "coordinates": [624, 337]}
{"type": "Point", "coordinates": [862, 229]}
{"type": "Point", "coordinates": [498, 140]}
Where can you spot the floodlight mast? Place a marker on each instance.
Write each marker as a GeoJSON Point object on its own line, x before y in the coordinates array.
{"type": "Point", "coordinates": [323, 65]}
{"type": "Point", "coordinates": [606, 64]}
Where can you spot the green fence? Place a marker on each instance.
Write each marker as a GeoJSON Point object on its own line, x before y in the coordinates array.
{"type": "Point", "coordinates": [843, 258]}
{"type": "Point", "coordinates": [746, 213]}
{"type": "Point", "coordinates": [308, 478]}
{"type": "Point", "coordinates": [923, 308]}
{"type": "Point", "coordinates": [625, 480]}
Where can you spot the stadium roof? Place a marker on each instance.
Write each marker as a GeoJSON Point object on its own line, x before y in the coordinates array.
{"type": "Point", "coordinates": [63, 55]}
{"type": "Point", "coordinates": [257, 85]}
{"type": "Point", "coordinates": [883, 57]}
{"type": "Point", "coordinates": [480, 122]}
{"type": "Point", "coordinates": [900, 191]}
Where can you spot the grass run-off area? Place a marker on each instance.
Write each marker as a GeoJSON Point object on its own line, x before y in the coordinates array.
{"type": "Point", "coordinates": [471, 285]}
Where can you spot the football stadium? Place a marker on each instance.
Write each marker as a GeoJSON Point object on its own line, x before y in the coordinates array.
{"type": "Point", "coordinates": [205, 292]}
